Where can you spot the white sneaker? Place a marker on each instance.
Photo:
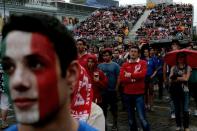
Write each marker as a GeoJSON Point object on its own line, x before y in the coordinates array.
{"type": "Point", "coordinates": [173, 116]}
{"type": "Point", "coordinates": [195, 113]}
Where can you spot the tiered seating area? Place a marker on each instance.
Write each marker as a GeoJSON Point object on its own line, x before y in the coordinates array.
{"type": "Point", "coordinates": [168, 22]}
{"type": "Point", "coordinates": [107, 23]}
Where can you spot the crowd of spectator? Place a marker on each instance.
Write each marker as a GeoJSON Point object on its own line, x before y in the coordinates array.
{"type": "Point", "coordinates": [167, 22]}
{"type": "Point", "coordinates": [109, 22]}
{"type": "Point", "coordinates": [135, 72]}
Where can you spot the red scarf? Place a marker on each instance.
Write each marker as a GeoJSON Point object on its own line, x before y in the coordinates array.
{"type": "Point", "coordinates": [82, 97]}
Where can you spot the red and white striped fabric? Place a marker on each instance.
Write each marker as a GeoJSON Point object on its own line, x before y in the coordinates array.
{"type": "Point", "coordinates": [82, 97]}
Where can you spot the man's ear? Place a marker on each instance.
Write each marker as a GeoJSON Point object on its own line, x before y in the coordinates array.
{"type": "Point", "coordinates": [72, 74]}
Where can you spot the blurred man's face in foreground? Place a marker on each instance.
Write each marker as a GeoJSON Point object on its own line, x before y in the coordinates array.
{"type": "Point", "coordinates": [35, 81]}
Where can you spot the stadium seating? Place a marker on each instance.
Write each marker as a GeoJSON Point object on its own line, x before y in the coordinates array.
{"type": "Point", "coordinates": [109, 23]}
{"type": "Point", "coordinates": [168, 22]}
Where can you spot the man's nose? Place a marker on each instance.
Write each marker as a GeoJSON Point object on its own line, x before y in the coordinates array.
{"type": "Point", "coordinates": [21, 88]}
{"type": "Point", "coordinates": [19, 80]}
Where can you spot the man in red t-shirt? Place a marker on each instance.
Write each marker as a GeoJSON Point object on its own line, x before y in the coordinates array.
{"type": "Point", "coordinates": [132, 74]}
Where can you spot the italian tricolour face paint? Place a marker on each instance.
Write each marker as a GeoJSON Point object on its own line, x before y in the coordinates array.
{"type": "Point", "coordinates": [34, 76]}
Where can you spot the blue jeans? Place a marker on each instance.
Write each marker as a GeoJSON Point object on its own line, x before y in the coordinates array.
{"type": "Point", "coordinates": [132, 101]}
{"type": "Point", "coordinates": [172, 110]}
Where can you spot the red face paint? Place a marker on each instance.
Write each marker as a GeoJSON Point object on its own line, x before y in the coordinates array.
{"type": "Point", "coordinates": [47, 79]}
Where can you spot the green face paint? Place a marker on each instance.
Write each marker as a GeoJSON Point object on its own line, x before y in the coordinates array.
{"type": "Point", "coordinates": [5, 81]}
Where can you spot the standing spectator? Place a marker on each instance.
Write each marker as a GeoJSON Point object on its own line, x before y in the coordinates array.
{"type": "Point", "coordinates": [175, 45]}
{"type": "Point", "coordinates": [151, 72]}
{"type": "Point", "coordinates": [166, 71]}
{"type": "Point", "coordinates": [154, 58]}
{"type": "Point", "coordinates": [117, 58]}
{"type": "Point", "coordinates": [82, 52]}
{"type": "Point", "coordinates": [42, 69]}
{"type": "Point", "coordinates": [98, 78]}
{"type": "Point", "coordinates": [159, 75]}
{"type": "Point", "coordinates": [111, 70]}
{"type": "Point", "coordinates": [179, 76]}
{"type": "Point", "coordinates": [132, 75]}
{"type": "Point", "coordinates": [99, 83]}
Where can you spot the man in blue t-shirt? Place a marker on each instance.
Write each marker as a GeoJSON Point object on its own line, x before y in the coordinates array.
{"type": "Point", "coordinates": [40, 59]}
{"type": "Point", "coordinates": [109, 96]}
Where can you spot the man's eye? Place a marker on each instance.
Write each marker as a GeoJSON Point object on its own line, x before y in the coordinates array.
{"type": "Point", "coordinates": [35, 65]}
{"type": "Point", "coordinates": [8, 67]}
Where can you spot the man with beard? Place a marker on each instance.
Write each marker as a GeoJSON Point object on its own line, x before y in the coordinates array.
{"type": "Point", "coordinates": [40, 59]}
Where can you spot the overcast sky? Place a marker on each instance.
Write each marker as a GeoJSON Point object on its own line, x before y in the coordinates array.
{"type": "Point", "coordinates": [194, 2]}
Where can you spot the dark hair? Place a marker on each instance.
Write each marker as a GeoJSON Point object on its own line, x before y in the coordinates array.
{"type": "Point", "coordinates": [176, 42]}
{"type": "Point", "coordinates": [107, 50]}
{"type": "Point", "coordinates": [135, 47]}
{"type": "Point", "coordinates": [49, 26]}
{"type": "Point", "coordinates": [83, 41]}
{"type": "Point", "coordinates": [181, 55]}
{"type": "Point", "coordinates": [149, 48]}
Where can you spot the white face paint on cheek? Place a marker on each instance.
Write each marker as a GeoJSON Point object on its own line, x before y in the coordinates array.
{"type": "Point", "coordinates": [17, 49]}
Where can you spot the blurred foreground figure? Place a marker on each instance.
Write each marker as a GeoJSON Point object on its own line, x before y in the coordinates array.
{"type": "Point", "coordinates": [40, 59]}
{"type": "Point", "coordinates": [4, 103]}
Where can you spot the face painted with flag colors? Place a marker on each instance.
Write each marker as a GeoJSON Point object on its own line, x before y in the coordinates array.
{"type": "Point", "coordinates": [34, 76]}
